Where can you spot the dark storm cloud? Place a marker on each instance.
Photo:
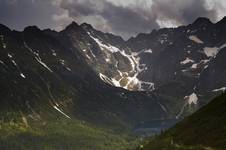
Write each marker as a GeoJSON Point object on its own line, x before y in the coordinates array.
{"type": "Point", "coordinates": [132, 19]}
{"type": "Point", "coordinates": [119, 19]}
{"type": "Point", "coordinates": [183, 12]}
{"type": "Point", "coordinates": [126, 18]}
{"type": "Point", "coordinates": [80, 8]}
{"type": "Point", "coordinates": [129, 20]}
{"type": "Point", "coordinates": [20, 13]}
{"type": "Point", "coordinates": [122, 20]}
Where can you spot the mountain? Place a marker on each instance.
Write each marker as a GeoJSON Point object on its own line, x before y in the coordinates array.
{"type": "Point", "coordinates": [186, 63]}
{"type": "Point", "coordinates": [49, 91]}
{"type": "Point", "coordinates": [50, 67]}
{"type": "Point", "coordinates": [183, 65]}
{"type": "Point", "coordinates": [112, 59]}
{"type": "Point", "coordinates": [97, 81]}
{"type": "Point", "coordinates": [203, 130]}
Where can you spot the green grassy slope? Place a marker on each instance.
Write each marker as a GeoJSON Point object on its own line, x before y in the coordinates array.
{"type": "Point", "coordinates": [205, 129]}
{"type": "Point", "coordinates": [60, 135]}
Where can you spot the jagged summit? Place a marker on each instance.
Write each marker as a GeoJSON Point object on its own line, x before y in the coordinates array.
{"type": "Point", "coordinates": [86, 26]}
{"type": "Point", "coordinates": [202, 21]}
{"type": "Point", "coordinates": [4, 28]}
{"type": "Point", "coordinates": [73, 25]}
{"type": "Point", "coordinates": [159, 61]}
{"type": "Point", "coordinates": [32, 29]}
{"type": "Point", "coordinates": [222, 22]}
{"type": "Point", "coordinates": [80, 73]}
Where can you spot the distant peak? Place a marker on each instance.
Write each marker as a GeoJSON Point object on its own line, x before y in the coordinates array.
{"type": "Point", "coordinates": [4, 28]}
{"type": "Point", "coordinates": [202, 20]}
{"type": "Point", "coordinates": [72, 25]}
{"type": "Point", "coordinates": [86, 26]}
{"type": "Point", "coordinates": [224, 18]}
{"type": "Point", "coordinates": [222, 21]}
{"type": "Point", "coordinates": [31, 29]}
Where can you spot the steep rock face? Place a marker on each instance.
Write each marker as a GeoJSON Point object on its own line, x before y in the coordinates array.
{"type": "Point", "coordinates": [172, 62]}
{"type": "Point", "coordinates": [177, 67]}
{"type": "Point", "coordinates": [184, 60]}
{"type": "Point", "coordinates": [45, 74]}
{"type": "Point", "coordinates": [212, 77]}
{"type": "Point", "coordinates": [110, 56]}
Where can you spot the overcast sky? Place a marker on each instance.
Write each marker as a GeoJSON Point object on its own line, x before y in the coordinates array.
{"type": "Point", "coordinates": [121, 17]}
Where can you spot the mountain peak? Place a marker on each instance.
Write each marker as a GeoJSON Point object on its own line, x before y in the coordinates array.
{"type": "Point", "coordinates": [202, 21]}
{"type": "Point", "coordinates": [86, 26]}
{"type": "Point", "coordinates": [222, 21]}
{"type": "Point", "coordinates": [4, 28]}
{"type": "Point", "coordinates": [73, 25]}
{"type": "Point", "coordinates": [31, 29]}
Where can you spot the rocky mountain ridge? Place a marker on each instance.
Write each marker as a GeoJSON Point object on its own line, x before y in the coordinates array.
{"type": "Point", "coordinates": [44, 76]}
{"type": "Point", "coordinates": [184, 64]}
{"type": "Point", "coordinates": [177, 68]}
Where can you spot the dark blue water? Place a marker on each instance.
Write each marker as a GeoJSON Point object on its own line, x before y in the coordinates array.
{"type": "Point", "coordinates": [154, 127]}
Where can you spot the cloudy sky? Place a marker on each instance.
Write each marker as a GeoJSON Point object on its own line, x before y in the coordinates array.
{"type": "Point", "coordinates": [121, 17]}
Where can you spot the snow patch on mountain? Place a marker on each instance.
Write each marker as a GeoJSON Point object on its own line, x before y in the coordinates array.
{"type": "Point", "coordinates": [213, 51]}
{"type": "Point", "coordinates": [53, 52]}
{"type": "Point", "coordinates": [42, 63]}
{"type": "Point", "coordinates": [204, 61]}
{"type": "Point", "coordinates": [132, 59]}
{"type": "Point", "coordinates": [148, 51]}
{"type": "Point", "coordinates": [194, 66]}
{"type": "Point", "coordinates": [15, 64]}
{"type": "Point", "coordinates": [140, 68]}
{"type": "Point", "coordinates": [88, 56]}
{"type": "Point", "coordinates": [206, 66]}
{"type": "Point", "coordinates": [106, 79]}
{"type": "Point", "coordinates": [116, 83]}
{"type": "Point", "coordinates": [107, 60]}
{"type": "Point", "coordinates": [88, 53]}
{"type": "Point", "coordinates": [37, 57]}
{"type": "Point", "coordinates": [9, 55]}
{"type": "Point", "coordinates": [223, 89]}
{"type": "Point", "coordinates": [186, 61]}
{"type": "Point", "coordinates": [103, 47]}
{"type": "Point", "coordinates": [184, 70]}
{"type": "Point", "coordinates": [61, 112]}
{"type": "Point", "coordinates": [191, 99]}
{"type": "Point", "coordinates": [22, 75]}
{"type": "Point", "coordinates": [12, 60]}
{"type": "Point", "coordinates": [69, 69]}
{"type": "Point", "coordinates": [62, 62]}
{"type": "Point", "coordinates": [92, 54]}
{"type": "Point", "coordinates": [195, 39]}
{"type": "Point", "coordinates": [127, 80]}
